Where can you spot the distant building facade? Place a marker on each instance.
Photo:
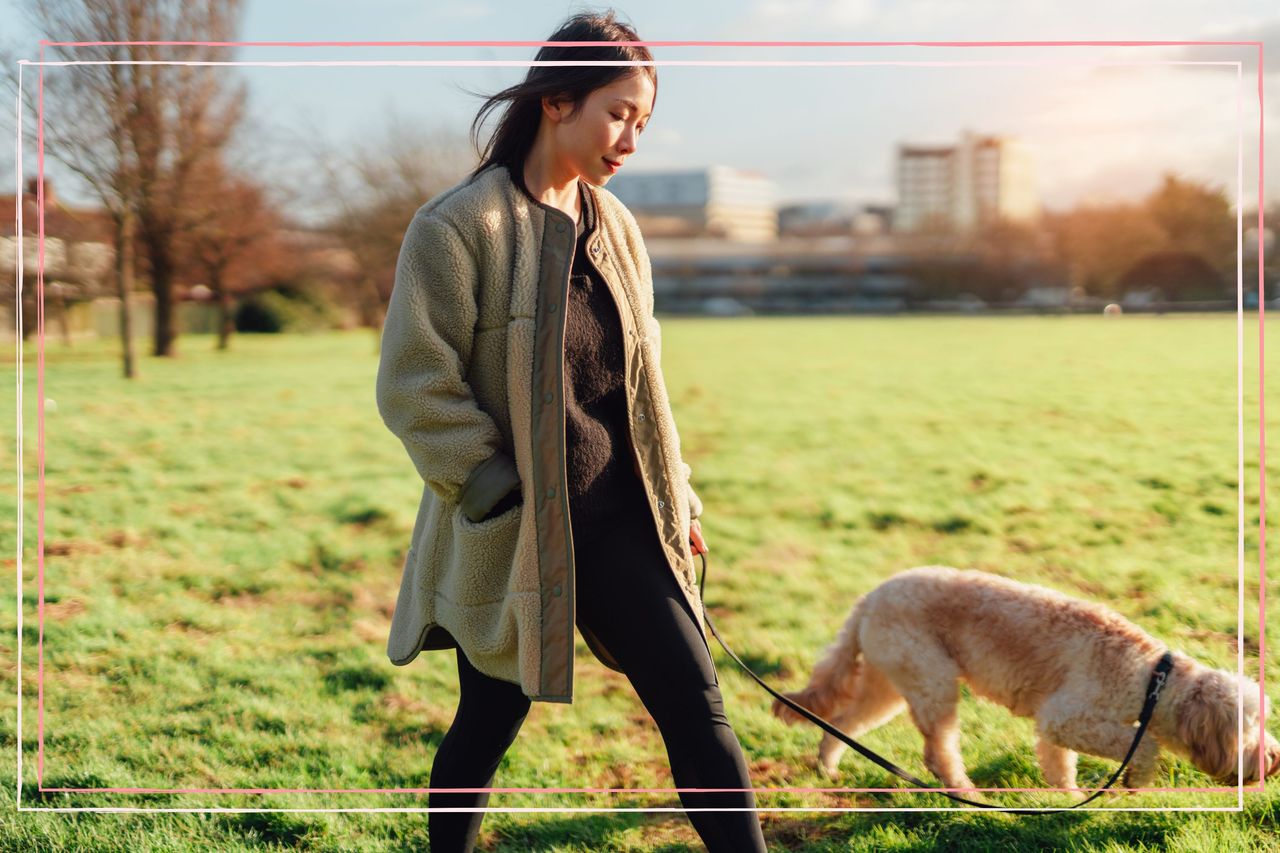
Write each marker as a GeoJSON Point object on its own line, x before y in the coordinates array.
{"type": "Point", "coordinates": [833, 218]}
{"type": "Point", "coordinates": [717, 201]}
{"type": "Point", "coordinates": [79, 246]}
{"type": "Point", "coordinates": [959, 187]}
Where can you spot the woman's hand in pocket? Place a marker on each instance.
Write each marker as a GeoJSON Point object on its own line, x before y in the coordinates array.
{"type": "Point", "coordinates": [511, 500]}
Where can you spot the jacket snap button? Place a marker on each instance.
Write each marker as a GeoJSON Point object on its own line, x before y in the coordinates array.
{"type": "Point", "coordinates": [560, 228]}
{"type": "Point", "coordinates": [642, 416]}
{"type": "Point", "coordinates": [595, 250]}
{"type": "Point", "coordinates": [556, 591]}
{"type": "Point", "coordinates": [551, 308]}
{"type": "Point", "coordinates": [551, 493]}
{"type": "Point", "coordinates": [661, 505]}
{"type": "Point", "coordinates": [547, 398]}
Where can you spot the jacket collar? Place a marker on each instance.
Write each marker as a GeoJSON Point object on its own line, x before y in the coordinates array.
{"type": "Point", "coordinates": [586, 192]}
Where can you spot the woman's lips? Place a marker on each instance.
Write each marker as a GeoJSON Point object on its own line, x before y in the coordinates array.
{"type": "Point", "coordinates": [612, 166]}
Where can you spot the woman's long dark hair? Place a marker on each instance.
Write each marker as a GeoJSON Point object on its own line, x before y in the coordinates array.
{"type": "Point", "coordinates": [514, 137]}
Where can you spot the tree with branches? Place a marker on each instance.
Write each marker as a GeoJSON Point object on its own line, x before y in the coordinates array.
{"type": "Point", "coordinates": [136, 130]}
{"type": "Point", "coordinates": [236, 244]}
{"type": "Point", "coordinates": [372, 192]}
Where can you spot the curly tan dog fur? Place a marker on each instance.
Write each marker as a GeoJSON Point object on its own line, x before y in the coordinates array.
{"type": "Point", "coordinates": [1077, 668]}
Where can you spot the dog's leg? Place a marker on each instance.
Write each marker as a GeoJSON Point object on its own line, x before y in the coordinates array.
{"type": "Point", "coordinates": [1072, 728]}
{"type": "Point", "coordinates": [1058, 765]}
{"type": "Point", "coordinates": [875, 702]}
{"type": "Point", "coordinates": [933, 709]}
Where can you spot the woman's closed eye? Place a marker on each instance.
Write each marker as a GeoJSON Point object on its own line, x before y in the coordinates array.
{"type": "Point", "coordinates": [639, 128]}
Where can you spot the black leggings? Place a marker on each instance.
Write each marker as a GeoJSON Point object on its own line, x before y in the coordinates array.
{"type": "Point", "coordinates": [628, 597]}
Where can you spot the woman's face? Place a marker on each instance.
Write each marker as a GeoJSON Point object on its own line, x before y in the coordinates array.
{"type": "Point", "coordinates": [605, 129]}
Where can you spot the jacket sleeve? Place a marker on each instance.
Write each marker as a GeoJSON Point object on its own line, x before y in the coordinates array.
{"type": "Point", "coordinates": [422, 394]}
{"type": "Point", "coordinates": [654, 332]}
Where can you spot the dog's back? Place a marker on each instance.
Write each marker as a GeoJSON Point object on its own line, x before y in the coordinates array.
{"type": "Point", "coordinates": [1012, 642]}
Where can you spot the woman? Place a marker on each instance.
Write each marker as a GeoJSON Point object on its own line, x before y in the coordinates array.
{"type": "Point", "coordinates": [520, 368]}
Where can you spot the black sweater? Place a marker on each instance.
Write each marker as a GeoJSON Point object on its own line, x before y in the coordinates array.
{"type": "Point", "coordinates": [597, 441]}
{"type": "Point", "coordinates": [599, 459]}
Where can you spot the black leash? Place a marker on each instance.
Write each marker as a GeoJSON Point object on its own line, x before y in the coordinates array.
{"type": "Point", "coordinates": [1158, 678]}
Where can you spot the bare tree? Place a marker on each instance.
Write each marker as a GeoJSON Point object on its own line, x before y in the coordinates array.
{"type": "Point", "coordinates": [136, 132]}
{"type": "Point", "coordinates": [373, 192]}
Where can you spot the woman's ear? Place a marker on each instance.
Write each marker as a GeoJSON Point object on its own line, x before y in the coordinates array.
{"type": "Point", "coordinates": [556, 107]}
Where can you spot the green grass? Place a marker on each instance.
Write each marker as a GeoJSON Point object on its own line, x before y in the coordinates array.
{"type": "Point", "coordinates": [224, 538]}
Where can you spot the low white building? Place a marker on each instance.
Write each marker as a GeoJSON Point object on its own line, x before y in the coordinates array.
{"type": "Point", "coordinates": [716, 201]}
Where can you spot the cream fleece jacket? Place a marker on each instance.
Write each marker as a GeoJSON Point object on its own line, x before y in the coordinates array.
{"type": "Point", "coordinates": [471, 381]}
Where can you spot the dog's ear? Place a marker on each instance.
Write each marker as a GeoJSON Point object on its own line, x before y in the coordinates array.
{"type": "Point", "coordinates": [1207, 724]}
{"type": "Point", "coordinates": [1261, 759]}
{"type": "Point", "coordinates": [1252, 708]}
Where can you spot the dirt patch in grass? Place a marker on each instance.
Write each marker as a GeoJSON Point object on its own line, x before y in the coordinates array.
{"type": "Point", "coordinates": [614, 681]}
{"type": "Point", "coordinates": [1023, 545]}
{"type": "Point", "coordinates": [181, 510]}
{"type": "Point", "coordinates": [1223, 638]}
{"type": "Point", "coordinates": [1067, 577]}
{"type": "Point", "coordinates": [783, 831]}
{"type": "Point", "coordinates": [771, 773]}
{"type": "Point", "coordinates": [720, 613]}
{"type": "Point", "coordinates": [124, 539]}
{"type": "Point", "coordinates": [312, 599]}
{"type": "Point", "coordinates": [186, 628]}
{"type": "Point", "coordinates": [645, 773]}
{"type": "Point", "coordinates": [641, 720]}
{"type": "Point", "coordinates": [375, 594]}
{"type": "Point", "coordinates": [64, 609]}
{"type": "Point", "coordinates": [434, 717]}
{"type": "Point", "coordinates": [70, 548]}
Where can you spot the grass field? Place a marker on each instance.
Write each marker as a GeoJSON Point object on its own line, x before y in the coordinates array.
{"type": "Point", "coordinates": [224, 538]}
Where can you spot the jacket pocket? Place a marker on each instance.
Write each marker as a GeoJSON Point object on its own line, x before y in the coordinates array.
{"type": "Point", "coordinates": [482, 555]}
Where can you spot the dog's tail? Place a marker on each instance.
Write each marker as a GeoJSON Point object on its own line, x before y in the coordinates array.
{"type": "Point", "coordinates": [835, 676]}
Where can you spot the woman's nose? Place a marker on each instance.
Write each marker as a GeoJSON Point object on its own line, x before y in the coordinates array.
{"type": "Point", "coordinates": [627, 143]}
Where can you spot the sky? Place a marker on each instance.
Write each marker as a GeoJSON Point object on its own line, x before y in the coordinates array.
{"type": "Point", "coordinates": [1096, 131]}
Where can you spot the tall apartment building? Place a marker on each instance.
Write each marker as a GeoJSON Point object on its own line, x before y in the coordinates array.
{"type": "Point", "coordinates": [717, 201]}
{"type": "Point", "coordinates": [981, 179]}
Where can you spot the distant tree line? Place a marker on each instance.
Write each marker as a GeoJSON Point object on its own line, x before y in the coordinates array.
{"type": "Point", "coordinates": [1179, 242]}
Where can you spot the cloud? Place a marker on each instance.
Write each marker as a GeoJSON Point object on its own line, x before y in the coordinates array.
{"type": "Point", "coordinates": [1265, 31]}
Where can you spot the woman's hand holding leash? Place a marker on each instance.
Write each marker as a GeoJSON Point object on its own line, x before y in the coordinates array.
{"type": "Point", "coordinates": [695, 538]}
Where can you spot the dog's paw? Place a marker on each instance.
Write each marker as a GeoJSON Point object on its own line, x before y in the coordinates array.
{"type": "Point", "coordinates": [831, 770]}
{"type": "Point", "coordinates": [1134, 781]}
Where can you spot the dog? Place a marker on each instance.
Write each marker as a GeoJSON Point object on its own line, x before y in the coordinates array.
{"type": "Point", "coordinates": [1080, 670]}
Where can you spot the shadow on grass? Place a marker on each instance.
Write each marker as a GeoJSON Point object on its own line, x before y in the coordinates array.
{"type": "Point", "coordinates": [274, 828]}
{"type": "Point", "coordinates": [964, 830]}
{"type": "Point", "coordinates": [759, 664]}
{"type": "Point", "coordinates": [961, 830]}
{"type": "Point", "coordinates": [33, 796]}
{"type": "Point", "coordinates": [597, 832]}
